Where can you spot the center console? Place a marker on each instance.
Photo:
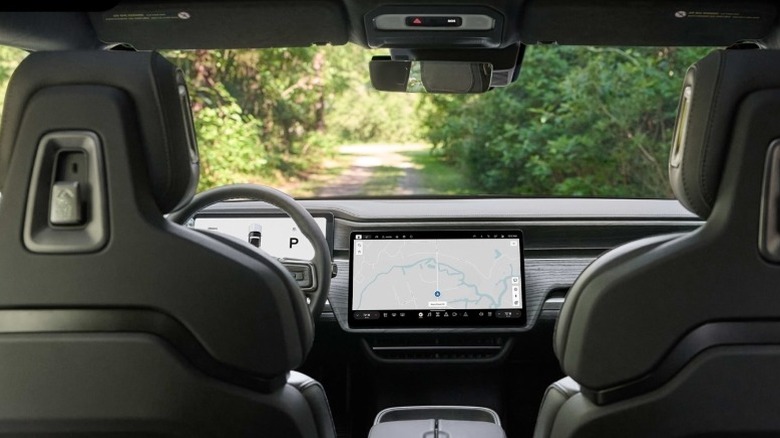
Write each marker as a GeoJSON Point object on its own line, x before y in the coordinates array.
{"type": "Point", "coordinates": [437, 422]}
{"type": "Point", "coordinates": [411, 291]}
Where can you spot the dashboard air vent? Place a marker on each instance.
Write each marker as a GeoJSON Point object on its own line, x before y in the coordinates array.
{"type": "Point", "coordinates": [419, 349]}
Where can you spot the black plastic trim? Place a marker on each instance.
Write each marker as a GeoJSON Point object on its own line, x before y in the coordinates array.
{"type": "Point", "coordinates": [448, 37]}
{"type": "Point", "coordinates": [707, 336]}
{"type": "Point", "coordinates": [491, 350]}
{"type": "Point", "coordinates": [40, 235]}
{"type": "Point", "coordinates": [148, 321]}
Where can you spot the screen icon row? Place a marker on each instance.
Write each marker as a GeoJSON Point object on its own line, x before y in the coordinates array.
{"type": "Point", "coordinates": [437, 314]}
{"type": "Point", "coordinates": [509, 313]}
{"type": "Point", "coordinates": [496, 236]}
{"type": "Point", "coordinates": [450, 314]}
{"type": "Point", "coordinates": [516, 302]}
{"type": "Point", "coordinates": [383, 236]}
{"type": "Point", "coordinates": [467, 314]}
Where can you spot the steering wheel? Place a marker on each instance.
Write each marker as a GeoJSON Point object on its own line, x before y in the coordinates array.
{"type": "Point", "coordinates": [319, 269]}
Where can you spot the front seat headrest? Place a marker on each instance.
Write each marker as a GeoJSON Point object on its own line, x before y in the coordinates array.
{"type": "Point", "coordinates": [711, 91]}
{"type": "Point", "coordinates": [167, 135]}
{"type": "Point", "coordinates": [120, 266]}
{"type": "Point", "coordinates": [627, 318]}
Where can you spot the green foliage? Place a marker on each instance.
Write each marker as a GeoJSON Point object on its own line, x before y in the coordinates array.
{"type": "Point", "coordinates": [364, 115]}
{"type": "Point", "coordinates": [9, 59]}
{"type": "Point", "coordinates": [579, 122]}
{"type": "Point", "coordinates": [268, 113]}
{"type": "Point", "coordinates": [274, 114]}
{"type": "Point", "coordinates": [439, 177]}
{"type": "Point", "coordinates": [230, 149]}
{"type": "Point", "coordinates": [359, 114]}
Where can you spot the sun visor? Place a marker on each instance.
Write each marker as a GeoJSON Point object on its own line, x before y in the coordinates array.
{"type": "Point", "coordinates": [222, 25]}
{"type": "Point", "coordinates": [644, 23]}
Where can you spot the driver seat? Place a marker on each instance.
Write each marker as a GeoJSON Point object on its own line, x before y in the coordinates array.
{"type": "Point", "coordinates": [679, 335]}
{"type": "Point", "coordinates": [113, 320]}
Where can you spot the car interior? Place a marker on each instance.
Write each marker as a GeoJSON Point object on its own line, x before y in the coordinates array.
{"type": "Point", "coordinates": [132, 306]}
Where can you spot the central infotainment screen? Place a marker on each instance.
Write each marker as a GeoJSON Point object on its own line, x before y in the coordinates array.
{"type": "Point", "coordinates": [436, 279]}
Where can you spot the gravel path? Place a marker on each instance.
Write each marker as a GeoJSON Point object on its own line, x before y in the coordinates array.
{"type": "Point", "coordinates": [366, 158]}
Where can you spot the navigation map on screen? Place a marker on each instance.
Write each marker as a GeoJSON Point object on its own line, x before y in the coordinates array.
{"type": "Point", "coordinates": [471, 277]}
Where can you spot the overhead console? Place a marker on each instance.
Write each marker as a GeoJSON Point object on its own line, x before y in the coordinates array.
{"type": "Point", "coordinates": [432, 279]}
{"type": "Point", "coordinates": [434, 26]}
{"type": "Point", "coordinates": [488, 24]}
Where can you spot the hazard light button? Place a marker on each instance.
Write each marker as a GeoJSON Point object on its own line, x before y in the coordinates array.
{"type": "Point", "coordinates": [437, 21]}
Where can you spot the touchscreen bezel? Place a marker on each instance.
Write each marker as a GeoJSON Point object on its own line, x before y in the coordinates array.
{"type": "Point", "coordinates": [487, 318]}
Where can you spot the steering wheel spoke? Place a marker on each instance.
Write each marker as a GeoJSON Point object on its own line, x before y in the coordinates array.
{"type": "Point", "coordinates": [303, 272]}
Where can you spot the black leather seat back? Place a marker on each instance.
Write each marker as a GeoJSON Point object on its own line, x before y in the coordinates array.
{"type": "Point", "coordinates": [82, 306]}
{"type": "Point", "coordinates": [631, 307]}
{"type": "Point", "coordinates": [678, 335]}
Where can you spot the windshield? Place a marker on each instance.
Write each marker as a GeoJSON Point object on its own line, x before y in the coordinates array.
{"type": "Point", "coordinates": [578, 122]}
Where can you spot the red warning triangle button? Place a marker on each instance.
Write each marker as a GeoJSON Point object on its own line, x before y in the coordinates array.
{"type": "Point", "coordinates": [416, 21]}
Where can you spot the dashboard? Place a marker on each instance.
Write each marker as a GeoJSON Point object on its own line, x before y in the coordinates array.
{"type": "Point", "coordinates": [379, 342]}
{"type": "Point", "coordinates": [502, 265]}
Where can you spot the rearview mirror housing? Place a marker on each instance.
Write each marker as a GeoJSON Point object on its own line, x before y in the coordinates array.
{"type": "Point", "coordinates": [453, 77]}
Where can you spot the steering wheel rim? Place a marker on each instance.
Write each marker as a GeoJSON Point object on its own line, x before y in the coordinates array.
{"type": "Point", "coordinates": [321, 262]}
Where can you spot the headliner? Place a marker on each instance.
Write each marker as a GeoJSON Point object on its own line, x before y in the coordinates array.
{"type": "Point", "coordinates": [164, 24]}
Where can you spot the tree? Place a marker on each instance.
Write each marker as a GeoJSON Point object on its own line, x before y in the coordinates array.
{"type": "Point", "coordinates": [580, 121]}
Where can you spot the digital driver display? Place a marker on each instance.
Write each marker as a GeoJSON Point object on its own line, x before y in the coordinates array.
{"type": "Point", "coordinates": [436, 279]}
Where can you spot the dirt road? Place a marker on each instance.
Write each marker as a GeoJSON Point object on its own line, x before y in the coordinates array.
{"type": "Point", "coordinates": [377, 169]}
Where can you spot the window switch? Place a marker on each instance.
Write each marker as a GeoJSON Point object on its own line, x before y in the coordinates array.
{"type": "Point", "coordinates": [65, 204]}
